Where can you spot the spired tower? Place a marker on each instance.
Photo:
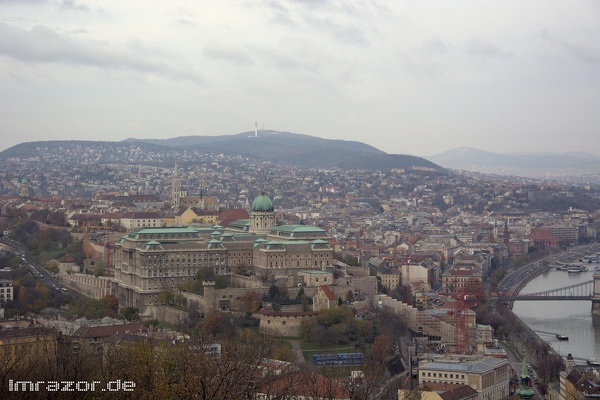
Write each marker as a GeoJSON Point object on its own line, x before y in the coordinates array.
{"type": "Point", "coordinates": [175, 189]}
{"type": "Point", "coordinates": [525, 391]}
{"type": "Point", "coordinates": [24, 192]}
{"type": "Point", "coordinates": [262, 215]}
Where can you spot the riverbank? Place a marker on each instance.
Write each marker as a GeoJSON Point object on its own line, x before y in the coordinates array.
{"type": "Point", "coordinates": [522, 341]}
{"type": "Point", "coordinates": [534, 273]}
{"type": "Point", "coordinates": [572, 318]}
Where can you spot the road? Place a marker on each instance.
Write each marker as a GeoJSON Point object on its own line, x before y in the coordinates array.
{"type": "Point", "coordinates": [36, 270]}
{"type": "Point", "coordinates": [518, 278]}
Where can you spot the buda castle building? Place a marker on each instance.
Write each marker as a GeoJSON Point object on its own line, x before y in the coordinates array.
{"type": "Point", "coordinates": [149, 260]}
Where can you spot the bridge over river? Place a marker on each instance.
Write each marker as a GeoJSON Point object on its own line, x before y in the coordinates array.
{"type": "Point", "coordinates": [588, 290]}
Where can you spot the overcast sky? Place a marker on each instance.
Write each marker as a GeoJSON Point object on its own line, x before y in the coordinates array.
{"type": "Point", "coordinates": [408, 77]}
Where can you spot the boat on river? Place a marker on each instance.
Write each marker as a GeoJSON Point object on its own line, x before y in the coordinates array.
{"type": "Point", "coordinates": [575, 268]}
{"type": "Point", "coordinates": [561, 336]}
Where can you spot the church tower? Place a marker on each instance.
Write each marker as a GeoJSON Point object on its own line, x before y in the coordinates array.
{"type": "Point", "coordinates": [175, 189]}
{"type": "Point", "coordinates": [24, 192]}
{"type": "Point", "coordinates": [262, 215]}
{"type": "Point", "coordinates": [525, 392]}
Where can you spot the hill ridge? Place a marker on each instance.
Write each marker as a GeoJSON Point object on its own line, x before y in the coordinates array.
{"type": "Point", "coordinates": [301, 150]}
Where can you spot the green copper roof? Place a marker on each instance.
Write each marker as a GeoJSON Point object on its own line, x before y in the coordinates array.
{"type": "Point", "coordinates": [262, 203]}
{"type": "Point", "coordinates": [153, 245]}
{"type": "Point", "coordinates": [525, 391]}
{"type": "Point", "coordinates": [298, 228]}
{"type": "Point", "coordinates": [175, 229]}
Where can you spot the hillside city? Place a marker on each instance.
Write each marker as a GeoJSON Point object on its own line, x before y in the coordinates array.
{"type": "Point", "coordinates": [242, 278]}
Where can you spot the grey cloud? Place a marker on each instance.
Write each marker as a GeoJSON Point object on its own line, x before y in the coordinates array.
{"type": "Point", "coordinates": [72, 5]}
{"type": "Point", "coordinates": [436, 46]}
{"type": "Point", "coordinates": [24, 1]}
{"type": "Point", "coordinates": [78, 31]}
{"type": "Point", "coordinates": [43, 45]}
{"type": "Point", "coordinates": [342, 33]}
{"type": "Point", "coordinates": [234, 56]}
{"type": "Point", "coordinates": [277, 6]}
{"type": "Point", "coordinates": [184, 23]}
{"type": "Point", "coordinates": [279, 59]}
{"type": "Point", "coordinates": [283, 19]}
{"type": "Point", "coordinates": [60, 4]}
{"type": "Point", "coordinates": [480, 48]}
{"type": "Point", "coordinates": [281, 14]}
{"type": "Point", "coordinates": [582, 52]}
{"type": "Point", "coordinates": [422, 67]}
{"type": "Point", "coordinates": [546, 36]}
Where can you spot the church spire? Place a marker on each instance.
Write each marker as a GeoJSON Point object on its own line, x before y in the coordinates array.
{"type": "Point", "coordinates": [176, 189]}
{"type": "Point", "coordinates": [525, 392]}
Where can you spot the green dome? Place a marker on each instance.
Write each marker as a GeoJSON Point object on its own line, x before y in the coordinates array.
{"type": "Point", "coordinates": [262, 203]}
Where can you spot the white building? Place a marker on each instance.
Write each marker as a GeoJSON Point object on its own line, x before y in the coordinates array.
{"type": "Point", "coordinates": [6, 290]}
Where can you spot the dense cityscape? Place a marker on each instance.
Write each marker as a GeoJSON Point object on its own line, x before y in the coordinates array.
{"type": "Point", "coordinates": [219, 270]}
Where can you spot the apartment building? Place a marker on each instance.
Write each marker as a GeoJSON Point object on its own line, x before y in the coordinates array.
{"type": "Point", "coordinates": [6, 290]}
{"type": "Point", "coordinates": [489, 376]}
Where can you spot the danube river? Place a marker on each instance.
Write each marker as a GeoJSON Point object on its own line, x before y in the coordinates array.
{"type": "Point", "coordinates": [571, 318]}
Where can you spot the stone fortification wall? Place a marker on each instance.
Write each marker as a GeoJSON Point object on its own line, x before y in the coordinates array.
{"type": "Point", "coordinates": [194, 301]}
{"type": "Point", "coordinates": [360, 272]}
{"type": "Point", "coordinates": [240, 281]}
{"type": "Point", "coordinates": [92, 286]}
{"type": "Point", "coordinates": [168, 314]}
{"type": "Point", "coordinates": [282, 323]}
{"type": "Point", "coordinates": [232, 298]}
{"type": "Point", "coordinates": [367, 285]}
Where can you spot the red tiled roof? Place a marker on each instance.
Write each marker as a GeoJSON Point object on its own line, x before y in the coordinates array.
{"type": "Point", "coordinates": [328, 293]}
{"type": "Point", "coordinates": [67, 259]}
{"type": "Point", "coordinates": [227, 216]}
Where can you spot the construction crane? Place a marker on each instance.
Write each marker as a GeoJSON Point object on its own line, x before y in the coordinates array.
{"type": "Point", "coordinates": [408, 286]}
{"type": "Point", "coordinates": [466, 294]}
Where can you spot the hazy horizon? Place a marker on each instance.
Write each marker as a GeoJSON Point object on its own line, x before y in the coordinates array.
{"type": "Point", "coordinates": [415, 78]}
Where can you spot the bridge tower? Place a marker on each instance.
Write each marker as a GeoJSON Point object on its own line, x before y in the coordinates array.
{"type": "Point", "coordinates": [596, 296]}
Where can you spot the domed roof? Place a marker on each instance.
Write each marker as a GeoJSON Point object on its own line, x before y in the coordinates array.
{"type": "Point", "coordinates": [262, 203]}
